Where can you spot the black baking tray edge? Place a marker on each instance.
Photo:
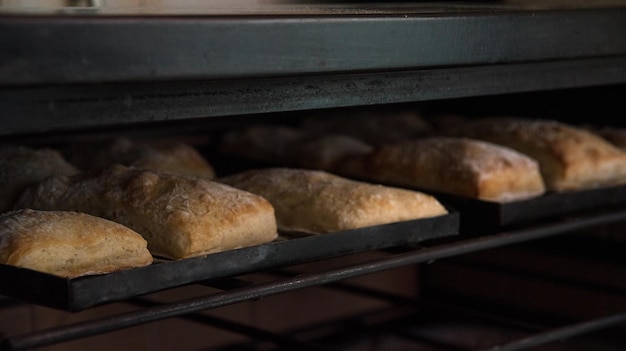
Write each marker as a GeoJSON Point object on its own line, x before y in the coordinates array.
{"type": "Point", "coordinates": [479, 214]}
{"type": "Point", "coordinates": [84, 292]}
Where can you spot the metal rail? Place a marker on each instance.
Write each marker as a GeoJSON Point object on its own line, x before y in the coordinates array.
{"type": "Point", "coordinates": [34, 109]}
{"type": "Point", "coordinates": [561, 333]}
{"type": "Point", "coordinates": [121, 321]}
{"type": "Point", "coordinates": [251, 332]}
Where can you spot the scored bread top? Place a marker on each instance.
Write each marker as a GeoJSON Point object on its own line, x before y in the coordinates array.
{"type": "Point", "coordinates": [320, 202]}
{"type": "Point", "coordinates": [69, 244]}
{"type": "Point", "coordinates": [570, 158]}
{"type": "Point", "coordinates": [179, 216]}
{"type": "Point", "coordinates": [458, 166]}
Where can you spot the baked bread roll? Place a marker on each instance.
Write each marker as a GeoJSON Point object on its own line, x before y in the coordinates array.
{"type": "Point", "coordinates": [570, 158]}
{"type": "Point", "coordinates": [372, 127]}
{"type": "Point", "coordinates": [326, 152]}
{"type": "Point", "coordinates": [319, 202]}
{"type": "Point", "coordinates": [162, 156]}
{"type": "Point", "coordinates": [615, 136]}
{"type": "Point", "coordinates": [291, 147]}
{"type": "Point", "coordinates": [179, 216]}
{"type": "Point", "coordinates": [270, 144]}
{"type": "Point", "coordinates": [457, 166]}
{"type": "Point", "coordinates": [69, 244]}
{"type": "Point", "coordinates": [23, 167]}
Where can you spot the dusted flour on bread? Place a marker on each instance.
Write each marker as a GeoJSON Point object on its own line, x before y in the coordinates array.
{"type": "Point", "coordinates": [320, 202]}
{"type": "Point", "coordinates": [69, 244]}
{"type": "Point", "coordinates": [458, 166]}
{"type": "Point", "coordinates": [570, 158]}
{"type": "Point", "coordinates": [179, 216]}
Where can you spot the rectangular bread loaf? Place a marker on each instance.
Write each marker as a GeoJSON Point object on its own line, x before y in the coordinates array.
{"type": "Point", "coordinates": [457, 166]}
{"type": "Point", "coordinates": [570, 158]}
{"type": "Point", "coordinates": [264, 143]}
{"type": "Point", "coordinates": [320, 202]}
{"type": "Point", "coordinates": [178, 216]}
{"type": "Point", "coordinates": [375, 127]}
{"type": "Point", "coordinates": [69, 244]}
{"type": "Point", "coordinates": [325, 152]}
{"type": "Point", "coordinates": [161, 156]}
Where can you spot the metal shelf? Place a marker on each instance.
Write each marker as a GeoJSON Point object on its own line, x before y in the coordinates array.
{"type": "Point", "coordinates": [40, 109]}
{"type": "Point", "coordinates": [286, 284]}
{"type": "Point", "coordinates": [63, 50]}
{"type": "Point", "coordinates": [68, 72]}
{"type": "Point", "coordinates": [412, 325]}
{"type": "Point", "coordinates": [61, 73]}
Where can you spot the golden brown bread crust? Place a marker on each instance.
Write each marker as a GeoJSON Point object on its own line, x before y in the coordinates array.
{"type": "Point", "coordinates": [69, 244]}
{"type": "Point", "coordinates": [320, 202]}
{"type": "Point", "coordinates": [456, 166]}
{"type": "Point", "coordinates": [22, 167]}
{"type": "Point", "coordinates": [570, 158]}
{"type": "Point", "coordinates": [178, 216]}
{"type": "Point", "coordinates": [162, 156]}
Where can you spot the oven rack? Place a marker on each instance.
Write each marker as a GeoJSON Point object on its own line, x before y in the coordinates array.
{"type": "Point", "coordinates": [244, 291]}
{"type": "Point", "coordinates": [407, 325]}
{"type": "Point", "coordinates": [72, 72]}
{"type": "Point", "coordinates": [83, 84]}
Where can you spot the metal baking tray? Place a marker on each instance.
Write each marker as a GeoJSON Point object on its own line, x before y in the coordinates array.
{"type": "Point", "coordinates": [480, 215]}
{"type": "Point", "coordinates": [84, 292]}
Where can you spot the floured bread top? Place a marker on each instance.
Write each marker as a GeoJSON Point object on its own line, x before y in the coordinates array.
{"type": "Point", "coordinates": [570, 158]}
{"type": "Point", "coordinates": [179, 216]}
{"type": "Point", "coordinates": [478, 159]}
{"type": "Point", "coordinates": [69, 244]}
{"type": "Point", "coordinates": [458, 166]}
{"type": "Point", "coordinates": [320, 202]}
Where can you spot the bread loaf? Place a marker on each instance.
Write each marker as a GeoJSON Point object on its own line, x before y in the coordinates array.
{"type": "Point", "coordinates": [178, 216]}
{"type": "Point", "coordinates": [326, 152]}
{"type": "Point", "coordinates": [270, 144]}
{"type": "Point", "coordinates": [320, 202]}
{"type": "Point", "coordinates": [166, 156]}
{"type": "Point", "coordinates": [22, 167]}
{"type": "Point", "coordinates": [373, 127]}
{"type": "Point", "coordinates": [570, 158]}
{"type": "Point", "coordinates": [615, 136]}
{"type": "Point", "coordinates": [69, 244]}
{"type": "Point", "coordinates": [457, 166]}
